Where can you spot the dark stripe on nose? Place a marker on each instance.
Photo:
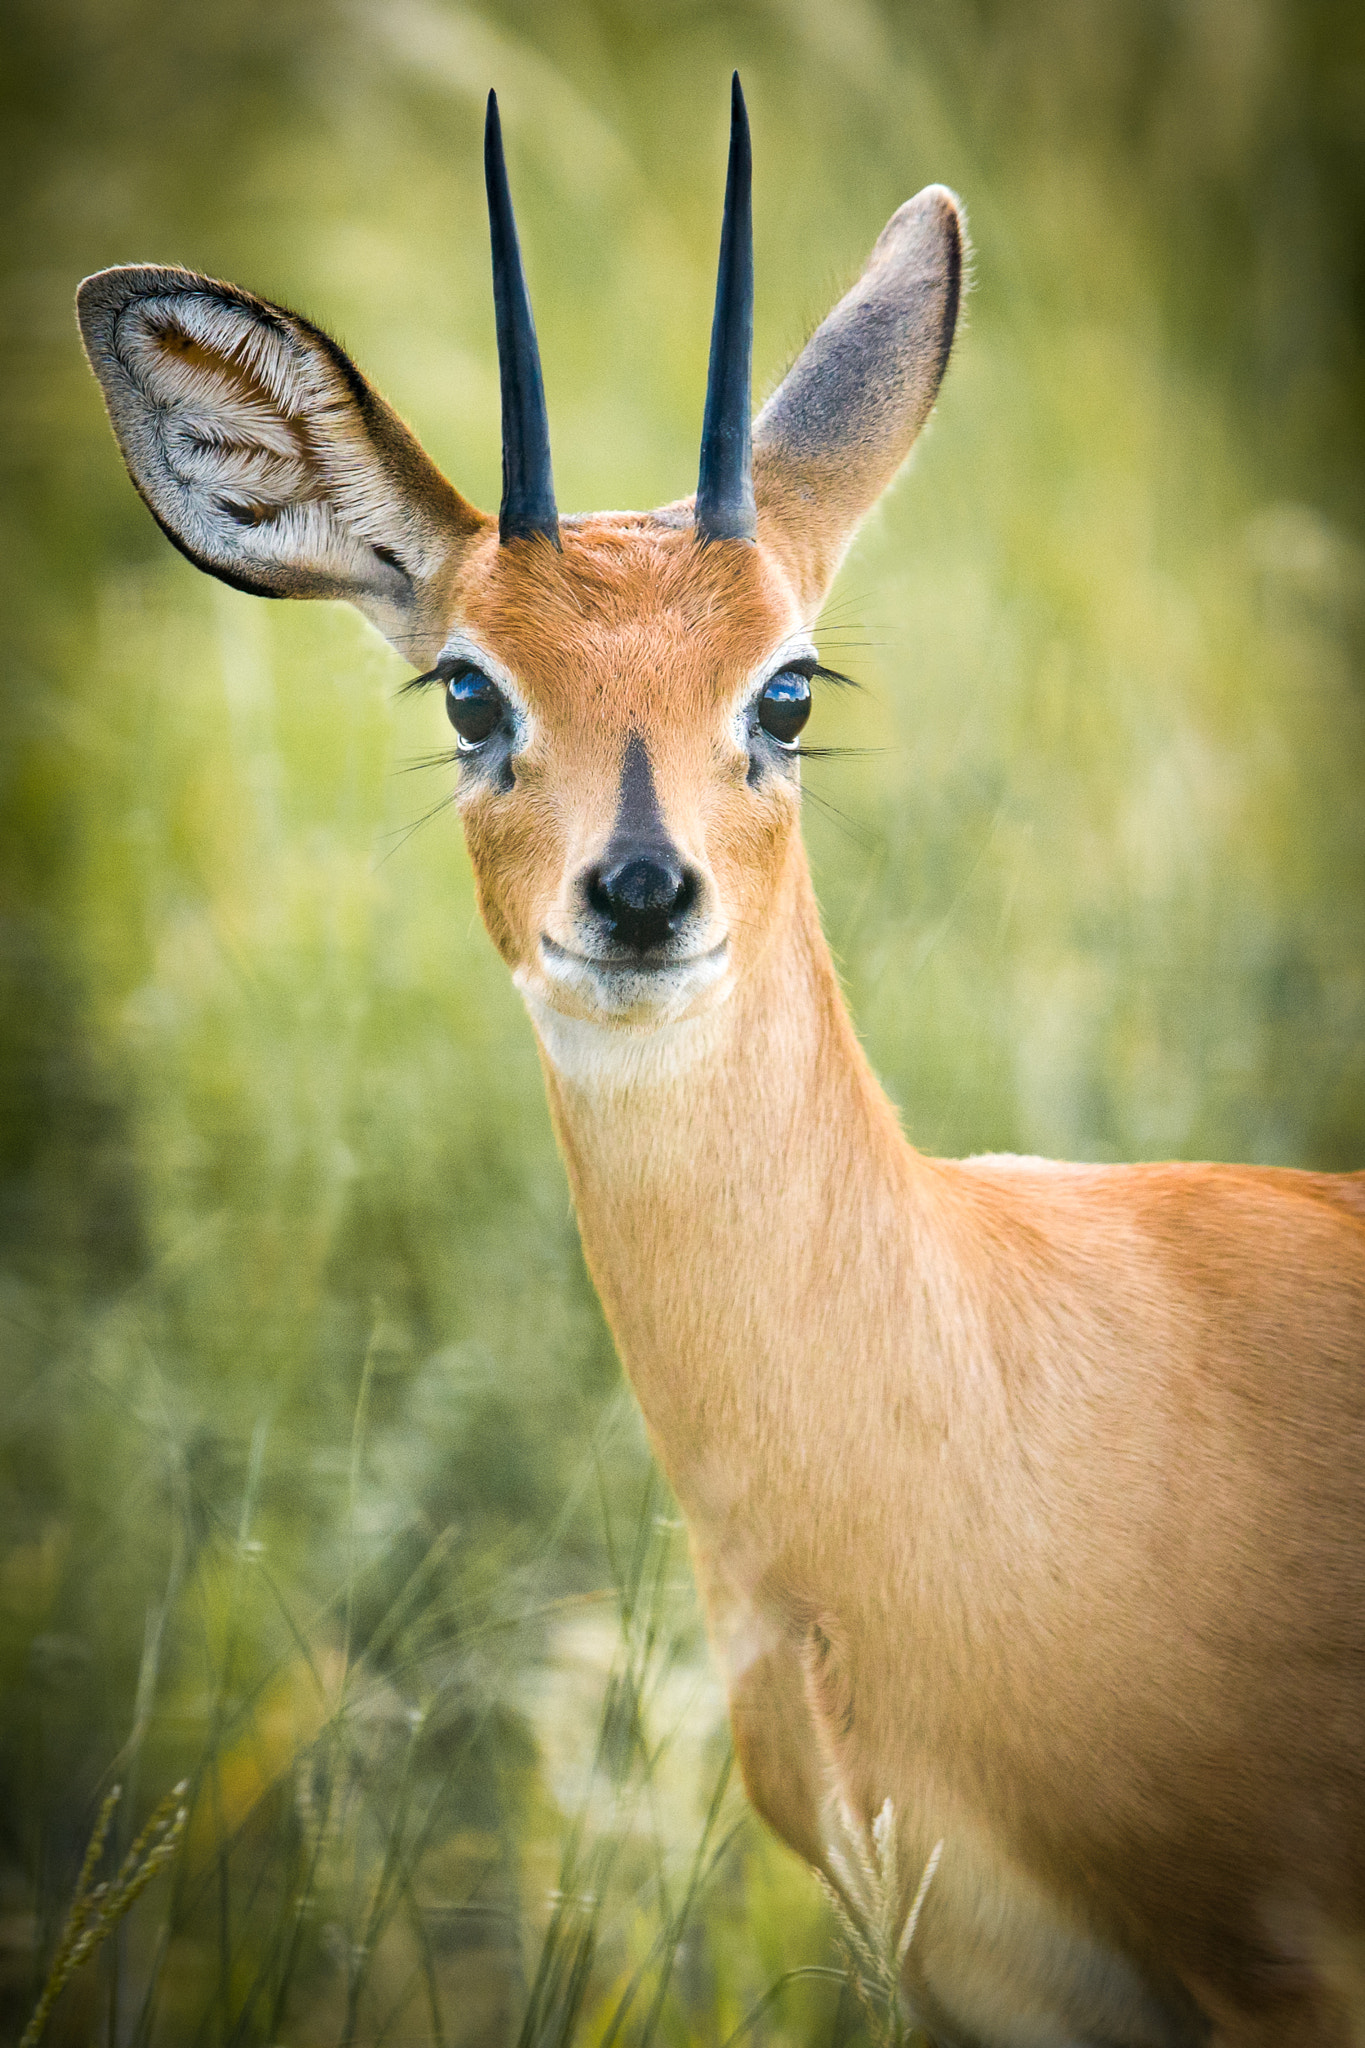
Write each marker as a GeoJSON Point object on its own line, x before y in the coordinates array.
{"type": "Point", "coordinates": [640, 887]}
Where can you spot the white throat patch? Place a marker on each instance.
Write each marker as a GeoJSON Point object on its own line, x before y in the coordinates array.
{"type": "Point", "coordinates": [598, 1057]}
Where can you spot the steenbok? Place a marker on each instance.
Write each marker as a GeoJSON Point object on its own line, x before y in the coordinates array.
{"type": "Point", "coordinates": [1026, 1497]}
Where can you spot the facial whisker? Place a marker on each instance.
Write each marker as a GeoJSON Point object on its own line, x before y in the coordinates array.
{"type": "Point", "coordinates": [859, 834]}
{"type": "Point", "coordinates": [846, 602]}
{"type": "Point", "coordinates": [449, 758]}
{"type": "Point", "coordinates": [405, 833]}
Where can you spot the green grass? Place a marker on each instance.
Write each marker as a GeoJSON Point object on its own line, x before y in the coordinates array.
{"type": "Point", "coordinates": [436, 1833]}
{"type": "Point", "coordinates": [318, 1485]}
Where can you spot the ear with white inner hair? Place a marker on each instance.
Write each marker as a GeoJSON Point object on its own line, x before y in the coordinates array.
{"type": "Point", "coordinates": [845, 417]}
{"type": "Point", "coordinates": [262, 452]}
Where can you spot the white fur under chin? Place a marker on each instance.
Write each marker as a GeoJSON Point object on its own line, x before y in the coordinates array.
{"type": "Point", "coordinates": [617, 1057]}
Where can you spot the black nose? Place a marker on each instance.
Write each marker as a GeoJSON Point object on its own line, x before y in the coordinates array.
{"type": "Point", "coordinates": [642, 897]}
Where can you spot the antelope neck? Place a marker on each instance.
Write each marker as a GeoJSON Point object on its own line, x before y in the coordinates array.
{"type": "Point", "coordinates": [715, 1204]}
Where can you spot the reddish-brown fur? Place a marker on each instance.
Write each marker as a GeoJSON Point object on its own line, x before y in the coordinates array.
{"type": "Point", "coordinates": [1059, 1469]}
{"type": "Point", "coordinates": [1026, 1497]}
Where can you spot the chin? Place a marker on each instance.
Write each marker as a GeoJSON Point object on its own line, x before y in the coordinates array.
{"type": "Point", "coordinates": [629, 996]}
{"type": "Point", "coordinates": [609, 1027]}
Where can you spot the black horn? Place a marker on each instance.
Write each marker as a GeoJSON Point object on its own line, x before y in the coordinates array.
{"type": "Point", "coordinates": [725, 489]}
{"type": "Point", "coordinates": [528, 485]}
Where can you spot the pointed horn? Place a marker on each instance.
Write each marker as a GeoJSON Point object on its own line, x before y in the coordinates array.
{"type": "Point", "coordinates": [528, 485]}
{"type": "Point", "coordinates": [725, 491]}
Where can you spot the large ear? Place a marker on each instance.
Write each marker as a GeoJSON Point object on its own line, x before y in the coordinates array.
{"type": "Point", "coordinates": [265, 456]}
{"type": "Point", "coordinates": [842, 422]}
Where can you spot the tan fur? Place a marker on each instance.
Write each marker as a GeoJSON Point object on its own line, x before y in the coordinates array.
{"type": "Point", "coordinates": [1072, 1463]}
{"type": "Point", "coordinates": [1059, 1468]}
{"type": "Point", "coordinates": [1025, 1496]}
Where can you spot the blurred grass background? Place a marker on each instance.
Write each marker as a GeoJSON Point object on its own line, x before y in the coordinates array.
{"type": "Point", "coordinates": [319, 1485]}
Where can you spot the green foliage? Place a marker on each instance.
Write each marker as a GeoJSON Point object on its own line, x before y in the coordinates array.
{"type": "Point", "coordinates": [317, 1485]}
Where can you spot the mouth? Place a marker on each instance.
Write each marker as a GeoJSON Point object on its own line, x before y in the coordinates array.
{"type": "Point", "coordinates": [633, 983]}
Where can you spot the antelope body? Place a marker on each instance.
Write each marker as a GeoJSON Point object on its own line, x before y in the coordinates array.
{"type": "Point", "coordinates": [1027, 1496]}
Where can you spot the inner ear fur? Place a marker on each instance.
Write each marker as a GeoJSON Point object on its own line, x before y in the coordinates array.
{"type": "Point", "coordinates": [837, 429]}
{"type": "Point", "coordinates": [262, 451]}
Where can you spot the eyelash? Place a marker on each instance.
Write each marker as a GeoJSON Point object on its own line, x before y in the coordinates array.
{"type": "Point", "coordinates": [814, 671]}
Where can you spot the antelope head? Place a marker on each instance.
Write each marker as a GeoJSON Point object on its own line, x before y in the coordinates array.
{"type": "Point", "coordinates": [627, 690]}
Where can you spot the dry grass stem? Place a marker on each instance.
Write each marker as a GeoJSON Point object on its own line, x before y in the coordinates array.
{"type": "Point", "coordinates": [95, 1914]}
{"type": "Point", "coordinates": [873, 1929]}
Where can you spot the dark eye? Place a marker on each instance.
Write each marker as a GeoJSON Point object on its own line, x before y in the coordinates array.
{"type": "Point", "coordinates": [784, 706]}
{"type": "Point", "coordinates": [474, 707]}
